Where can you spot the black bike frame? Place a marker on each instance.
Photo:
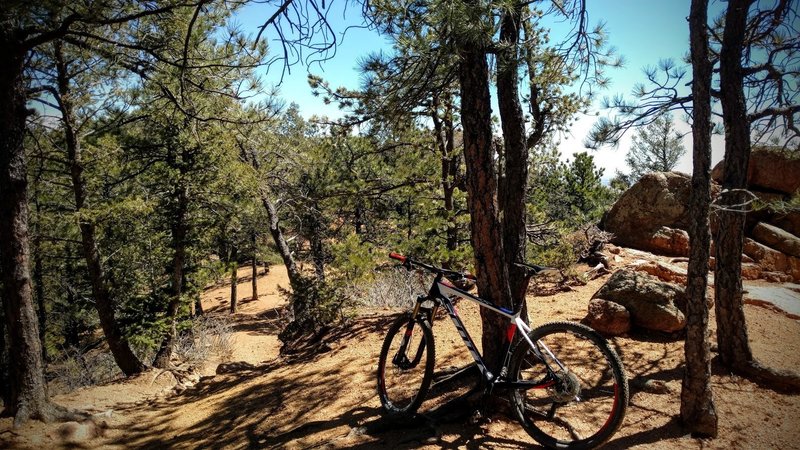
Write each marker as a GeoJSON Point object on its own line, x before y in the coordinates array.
{"type": "Point", "coordinates": [442, 291]}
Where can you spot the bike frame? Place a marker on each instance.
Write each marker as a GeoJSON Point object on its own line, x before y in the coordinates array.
{"type": "Point", "coordinates": [442, 291]}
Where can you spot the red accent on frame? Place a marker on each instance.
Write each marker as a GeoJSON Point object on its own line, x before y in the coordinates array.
{"type": "Point", "coordinates": [510, 332]}
{"type": "Point", "coordinates": [397, 256]}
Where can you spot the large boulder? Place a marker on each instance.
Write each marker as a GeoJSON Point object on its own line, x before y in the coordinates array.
{"type": "Point", "coordinates": [669, 241]}
{"type": "Point", "coordinates": [653, 214]}
{"type": "Point", "coordinates": [661, 270]}
{"type": "Point", "coordinates": [768, 258]}
{"type": "Point", "coordinates": [770, 169]}
{"type": "Point", "coordinates": [653, 304]}
{"type": "Point", "coordinates": [608, 318]}
{"type": "Point", "coordinates": [777, 238]}
{"type": "Point", "coordinates": [787, 220]}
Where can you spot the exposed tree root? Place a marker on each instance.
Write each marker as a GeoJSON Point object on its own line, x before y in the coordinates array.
{"type": "Point", "coordinates": [784, 381]}
{"type": "Point", "coordinates": [47, 412]}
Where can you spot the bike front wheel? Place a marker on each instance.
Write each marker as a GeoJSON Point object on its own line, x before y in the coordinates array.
{"type": "Point", "coordinates": [579, 391]}
{"type": "Point", "coordinates": [405, 367]}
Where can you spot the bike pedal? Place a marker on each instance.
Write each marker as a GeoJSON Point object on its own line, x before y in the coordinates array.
{"type": "Point", "coordinates": [476, 417]}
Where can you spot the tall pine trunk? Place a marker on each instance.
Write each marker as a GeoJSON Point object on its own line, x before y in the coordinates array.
{"type": "Point", "coordinates": [234, 268]}
{"type": "Point", "coordinates": [697, 400]}
{"type": "Point", "coordinates": [38, 284]}
{"type": "Point", "coordinates": [734, 348]}
{"type": "Point", "coordinates": [179, 232]}
{"type": "Point", "coordinates": [5, 382]}
{"type": "Point", "coordinates": [513, 178]}
{"type": "Point", "coordinates": [295, 276]}
{"type": "Point", "coordinates": [317, 246]}
{"type": "Point", "coordinates": [127, 361]}
{"type": "Point", "coordinates": [28, 397]}
{"type": "Point", "coordinates": [481, 181]}
{"type": "Point", "coordinates": [443, 129]}
{"type": "Point", "coordinates": [254, 267]}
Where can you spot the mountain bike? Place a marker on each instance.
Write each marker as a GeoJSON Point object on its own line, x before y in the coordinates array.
{"type": "Point", "coordinates": [566, 385]}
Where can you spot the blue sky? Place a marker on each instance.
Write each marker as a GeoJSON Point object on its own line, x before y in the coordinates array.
{"type": "Point", "coordinates": [643, 32]}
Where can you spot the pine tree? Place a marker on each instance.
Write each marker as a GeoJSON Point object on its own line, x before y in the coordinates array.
{"type": "Point", "coordinates": [655, 148]}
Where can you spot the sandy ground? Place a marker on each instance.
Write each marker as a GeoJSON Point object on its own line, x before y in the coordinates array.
{"type": "Point", "coordinates": [329, 400]}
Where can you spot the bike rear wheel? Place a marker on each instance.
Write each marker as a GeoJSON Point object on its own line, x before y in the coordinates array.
{"type": "Point", "coordinates": [405, 367]}
{"type": "Point", "coordinates": [579, 406]}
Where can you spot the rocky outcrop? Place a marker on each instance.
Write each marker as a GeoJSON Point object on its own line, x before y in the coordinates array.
{"type": "Point", "coordinates": [670, 241]}
{"type": "Point", "coordinates": [770, 169]}
{"type": "Point", "coordinates": [778, 239]}
{"type": "Point", "coordinates": [661, 270]}
{"type": "Point", "coordinates": [652, 214]}
{"type": "Point", "coordinates": [608, 318]}
{"type": "Point", "coordinates": [772, 260]}
{"type": "Point", "coordinates": [652, 304]}
{"type": "Point", "coordinates": [786, 220]}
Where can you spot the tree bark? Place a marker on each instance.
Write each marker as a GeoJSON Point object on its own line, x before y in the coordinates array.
{"type": "Point", "coordinates": [443, 129]}
{"type": "Point", "coordinates": [300, 303]}
{"type": "Point", "coordinates": [698, 412]}
{"type": "Point", "coordinates": [234, 267]}
{"type": "Point", "coordinates": [5, 382]}
{"type": "Point", "coordinates": [481, 181]}
{"type": "Point", "coordinates": [732, 338]}
{"type": "Point", "coordinates": [734, 349]}
{"type": "Point", "coordinates": [117, 343]}
{"type": "Point", "coordinates": [38, 283]}
{"type": "Point", "coordinates": [295, 276]}
{"type": "Point", "coordinates": [179, 232]}
{"type": "Point", "coordinates": [254, 266]}
{"type": "Point", "coordinates": [28, 397]}
{"type": "Point", "coordinates": [317, 247]}
{"type": "Point", "coordinates": [513, 178]}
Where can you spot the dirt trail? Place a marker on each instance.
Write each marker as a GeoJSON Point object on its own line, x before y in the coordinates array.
{"type": "Point", "coordinates": [329, 400]}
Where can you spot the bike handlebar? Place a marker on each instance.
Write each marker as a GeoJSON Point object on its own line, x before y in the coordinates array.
{"type": "Point", "coordinates": [407, 262]}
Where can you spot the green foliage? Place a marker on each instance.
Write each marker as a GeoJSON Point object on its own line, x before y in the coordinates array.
{"type": "Point", "coordinates": [656, 147]}
{"type": "Point", "coordinates": [569, 193]}
{"type": "Point", "coordinates": [353, 260]}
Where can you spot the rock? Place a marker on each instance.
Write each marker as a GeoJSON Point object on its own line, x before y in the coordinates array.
{"type": "Point", "coordinates": [666, 272]}
{"type": "Point", "coordinates": [751, 271]}
{"type": "Point", "coordinates": [608, 318]}
{"type": "Point", "coordinates": [777, 238]}
{"type": "Point", "coordinates": [652, 304]}
{"type": "Point", "coordinates": [770, 169]}
{"type": "Point", "coordinates": [770, 259]}
{"type": "Point", "coordinates": [787, 220]}
{"type": "Point", "coordinates": [651, 386]}
{"type": "Point", "coordinates": [653, 213]}
{"type": "Point", "coordinates": [776, 277]}
{"type": "Point", "coordinates": [794, 268]}
{"type": "Point", "coordinates": [670, 241]}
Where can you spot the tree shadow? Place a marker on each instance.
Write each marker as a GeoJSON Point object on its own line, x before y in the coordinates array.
{"type": "Point", "coordinates": [269, 322]}
{"type": "Point", "coordinates": [671, 429]}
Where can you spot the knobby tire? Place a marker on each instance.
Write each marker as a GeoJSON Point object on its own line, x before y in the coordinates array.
{"type": "Point", "coordinates": [403, 389]}
{"type": "Point", "coordinates": [582, 407]}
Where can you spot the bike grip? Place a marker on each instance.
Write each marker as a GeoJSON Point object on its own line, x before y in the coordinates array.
{"type": "Point", "coordinates": [397, 256]}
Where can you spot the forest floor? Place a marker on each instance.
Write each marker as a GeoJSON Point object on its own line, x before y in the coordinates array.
{"type": "Point", "coordinates": [262, 400]}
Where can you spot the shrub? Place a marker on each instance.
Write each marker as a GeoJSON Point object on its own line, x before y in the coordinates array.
{"type": "Point", "coordinates": [390, 289]}
{"type": "Point", "coordinates": [206, 337]}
